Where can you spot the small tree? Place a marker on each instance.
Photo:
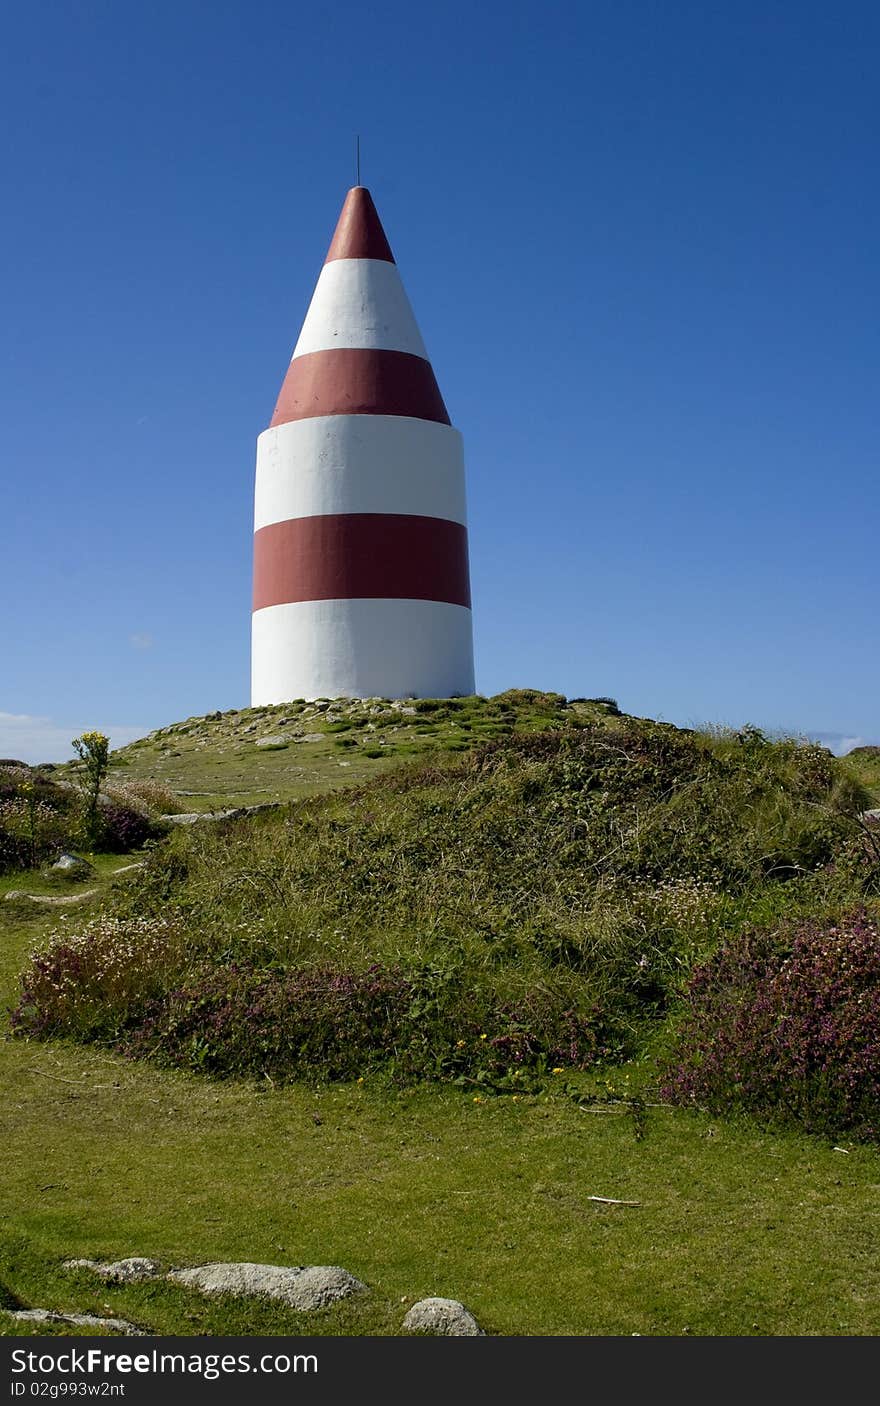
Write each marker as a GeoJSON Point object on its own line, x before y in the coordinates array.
{"type": "Point", "coordinates": [93, 751]}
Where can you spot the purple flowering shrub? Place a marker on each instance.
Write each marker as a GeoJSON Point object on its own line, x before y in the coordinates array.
{"type": "Point", "coordinates": [93, 983]}
{"type": "Point", "coordinates": [122, 828]}
{"type": "Point", "coordinates": [39, 817]}
{"type": "Point", "coordinates": [240, 1020]}
{"type": "Point", "coordinates": [786, 1024]}
{"type": "Point", "coordinates": [331, 1023]}
{"type": "Point", "coordinates": [122, 982]}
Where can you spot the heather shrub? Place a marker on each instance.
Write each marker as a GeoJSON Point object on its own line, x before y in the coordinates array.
{"type": "Point", "coordinates": [151, 798]}
{"type": "Point", "coordinates": [785, 1023]}
{"type": "Point", "coordinates": [38, 817]}
{"type": "Point", "coordinates": [333, 1022]}
{"type": "Point", "coordinates": [12, 774]}
{"type": "Point", "coordinates": [34, 831]}
{"type": "Point", "coordinates": [30, 829]}
{"type": "Point", "coordinates": [119, 828]}
{"type": "Point", "coordinates": [93, 983]}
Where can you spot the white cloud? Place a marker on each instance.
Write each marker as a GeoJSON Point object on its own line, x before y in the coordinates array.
{"type": "Point", "coordinates": [26, 738]}
{"type": "Point", "coordinates": [838, 742]}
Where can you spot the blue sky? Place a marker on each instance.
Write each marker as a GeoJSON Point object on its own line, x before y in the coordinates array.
{"type": "Point", "coordinates": [641, 243]}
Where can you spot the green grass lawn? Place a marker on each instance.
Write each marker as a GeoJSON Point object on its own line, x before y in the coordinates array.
{"type": "Point", "coordinates": [738, 1231]}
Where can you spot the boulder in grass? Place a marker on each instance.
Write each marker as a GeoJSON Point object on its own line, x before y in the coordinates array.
{"type": "Point", "coordinates": [303, 1287]}
{"type": "Point", "coordinates": [73, 866]}
{"type": "Point", "coordinates": [446, 1318]}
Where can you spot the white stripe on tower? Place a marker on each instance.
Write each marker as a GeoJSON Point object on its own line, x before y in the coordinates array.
{"type": "Point", "coordinates": [362, 649]}
{"type": "Point", "coordinates": [360, 303]}
{"type": "Point", "coordinates": [359, 464]}
{"type": "Point", "coordinates": [360, 559]}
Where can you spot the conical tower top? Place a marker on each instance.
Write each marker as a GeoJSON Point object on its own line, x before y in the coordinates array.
{"type": "Point", "coordinates": [359, 233]}
{"type": "Point", "coordinates": [360, 351]}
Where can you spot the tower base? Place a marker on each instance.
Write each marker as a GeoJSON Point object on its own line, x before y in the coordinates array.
{"type": "Point", "coordinates": [361, 649]}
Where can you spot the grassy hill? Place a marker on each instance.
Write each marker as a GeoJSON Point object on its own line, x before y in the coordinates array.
{"type": "Point", "coordinates": [453, 990]}
{"type": "Point", "coordinates": [246, 756]}
{"type": "Point", "coordinates": [251, 755]}
{"type": "Point", "coordinates": [535, 891]}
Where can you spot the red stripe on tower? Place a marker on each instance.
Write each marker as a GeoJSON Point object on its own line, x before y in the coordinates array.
{"type": "Point", "coordinates": [360, 555]}
{"type": "Point", "coordinates": [368, 555]}
{"type": "Point", "coordinates": [360, 381]}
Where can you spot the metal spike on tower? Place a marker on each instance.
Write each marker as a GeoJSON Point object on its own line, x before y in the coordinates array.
{"type": "Point", "coordinates": [361, 584]}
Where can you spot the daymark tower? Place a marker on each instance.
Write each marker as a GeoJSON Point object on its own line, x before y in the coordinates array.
{"type": "Point", "coordinates": [361, 582]}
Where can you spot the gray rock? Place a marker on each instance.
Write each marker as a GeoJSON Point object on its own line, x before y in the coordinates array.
{"type": "Point", "coordinates": [301, 1287]}
{"type": "Point", "coordinates": [81, 1320]}
{"type": "Point", "coordinates": [62, 901]}
{"type": "Point", "coordinates": [196, 816]}
{"type": "Point", "coordinates": [72, 864]}
{"type": "Point", "coordinates": [114, 1325]}
{"type": "Point", "coordinates": [872, 816]}
{"type": "Point", "coordinates": [446, 1317]}
{"type": "Point", "coordinates": [272, 741]}
{"type": "Point", "coordinates": [127, 1271]}
{"type": "Point", "coordinates": [311, 737]}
